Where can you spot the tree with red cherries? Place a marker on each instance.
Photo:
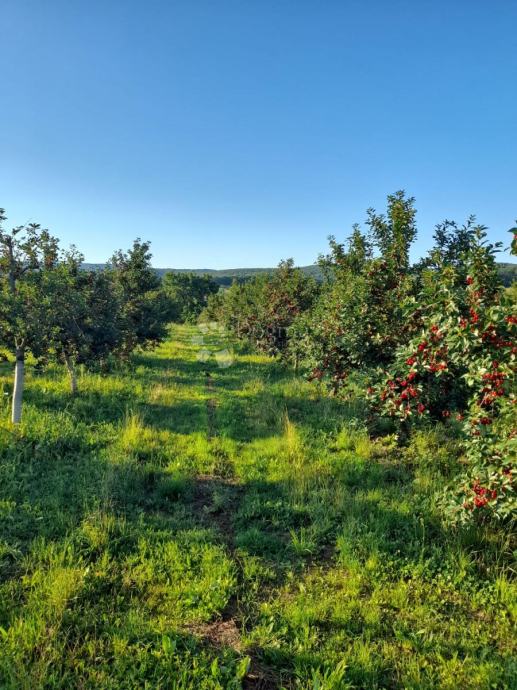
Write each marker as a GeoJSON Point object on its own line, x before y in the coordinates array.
{"type": "Point", "coordinates": [462, 364]}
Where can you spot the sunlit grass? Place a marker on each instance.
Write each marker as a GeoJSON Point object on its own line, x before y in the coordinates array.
{"type": "Point", "coordinates": [175, 499]}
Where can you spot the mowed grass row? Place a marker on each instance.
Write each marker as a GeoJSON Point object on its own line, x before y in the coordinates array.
{"type": "Point", "coordinates": [186, 525]}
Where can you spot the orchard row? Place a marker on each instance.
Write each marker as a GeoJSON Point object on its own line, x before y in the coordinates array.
{"type": "Point", "coordinates": [54, 310]}
{"type": "Point", "coordinates": [431, 342]}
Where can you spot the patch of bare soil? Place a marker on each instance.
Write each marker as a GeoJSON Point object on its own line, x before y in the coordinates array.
{"type": "Point", "coordinates": [221, 633]}
{"type": "Point", "coordinates": [225, 632]}
{"type": "Point", "coordinates": [259, 676]}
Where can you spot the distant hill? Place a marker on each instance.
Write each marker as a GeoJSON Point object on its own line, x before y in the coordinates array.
{"type": "Point", "coordinates": [507, 272]}
{"type": "Point", "coordinates": [221, 277]}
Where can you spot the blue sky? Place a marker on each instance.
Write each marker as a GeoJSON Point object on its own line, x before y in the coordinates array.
{"type": "Point", "coordinates": [238, 132]}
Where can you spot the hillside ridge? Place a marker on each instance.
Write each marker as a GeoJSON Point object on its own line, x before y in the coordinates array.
{"type": "Point", "coordinates": [225, 276]}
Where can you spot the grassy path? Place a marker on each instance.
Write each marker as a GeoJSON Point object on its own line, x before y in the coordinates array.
{"type": "Point", "coordinates": [189, 524]}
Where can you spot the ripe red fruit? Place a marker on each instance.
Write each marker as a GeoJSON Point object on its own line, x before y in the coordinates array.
{"type": "Point", "coordinates": [478, 489]}
{"type": "Point", "coordinates": [420, 408]}
{"type": "Point", "coordinates": [470, 280]}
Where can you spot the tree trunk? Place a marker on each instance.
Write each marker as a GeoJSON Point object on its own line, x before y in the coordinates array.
{"type": "Point", "coordinates": [19, 379]}
{"type": "Point", "coordinates": [72, 373]}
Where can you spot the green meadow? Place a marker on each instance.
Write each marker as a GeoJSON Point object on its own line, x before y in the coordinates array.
{"type": "Point", "coordinates": [180, 524]}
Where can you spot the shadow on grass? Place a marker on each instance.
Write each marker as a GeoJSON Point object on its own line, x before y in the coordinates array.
{"type": "Point", "coordinates": [51, 485]}
{"type": "Point", "coordinates": [241, 417]}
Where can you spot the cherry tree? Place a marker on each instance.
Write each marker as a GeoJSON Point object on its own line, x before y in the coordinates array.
{"type": "Point", "coordinates": [27, 253]}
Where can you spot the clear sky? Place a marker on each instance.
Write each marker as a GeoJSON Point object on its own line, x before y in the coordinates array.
{"type": "Point", "coordinates": [234, 133]}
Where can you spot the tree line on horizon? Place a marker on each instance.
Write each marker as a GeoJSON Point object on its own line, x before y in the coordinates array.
{"type": "Point", "coordinates": [225, 277]}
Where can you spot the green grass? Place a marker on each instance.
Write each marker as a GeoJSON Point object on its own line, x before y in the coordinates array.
{"type": "Point", "coordinates": [169, 529]}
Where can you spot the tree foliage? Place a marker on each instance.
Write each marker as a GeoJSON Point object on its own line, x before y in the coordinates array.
{"type": "Point", "coordinates": [143, 306]}
{"type": "Point", "coordinates": [85, 324]}
{"type": "Point", "coordinates": [461, 366]}
{"type": "Point", "coordinates": [262, 309]}
{"type": "Point", "coordinates": [54, 310]}
{"type": "Point", "coordinates": [27, 255]}
{"type": "Point", "coordinates": [187, 294]}
{"type": "Point", "coordinates": [358, 320]}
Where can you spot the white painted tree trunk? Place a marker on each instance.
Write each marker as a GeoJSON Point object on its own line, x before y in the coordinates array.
{"type": "Point", "coordinates": [72, 373]}
{"type": "Point", "coordinates": [19, 380]}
